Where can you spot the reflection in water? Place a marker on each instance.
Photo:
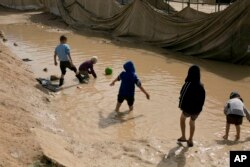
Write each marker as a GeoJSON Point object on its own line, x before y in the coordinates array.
{"type": "Point", "coordinates": [116, 118]}
{"type": "Point", "coordinates": [124, 121]}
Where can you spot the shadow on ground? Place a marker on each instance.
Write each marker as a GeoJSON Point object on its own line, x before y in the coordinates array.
{"type": "Point", "coordinates": [231, 142]}
{"type": "Point", "coordinates": [113, 118]}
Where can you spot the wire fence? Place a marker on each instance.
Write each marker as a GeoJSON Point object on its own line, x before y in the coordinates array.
{"type": "Point", "coordinates": [207, 6]}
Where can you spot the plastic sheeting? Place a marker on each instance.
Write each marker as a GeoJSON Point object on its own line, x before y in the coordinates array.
{"type": "Point", "coordinates": [22, 4]}
{"type": "Point", "coordinates": [99, 8]}
{"type": "Point", "coordinates": [223, 36]}
{"type": "Point", "coordinates": [51, 6]}
{"type": "Point", "coordinates": [161, 4]}
{"type": "Point", "coordinates": [124, 2]}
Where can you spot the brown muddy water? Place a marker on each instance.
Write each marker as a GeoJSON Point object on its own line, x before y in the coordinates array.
{"type": "Point", "coordinates": [147, 136]}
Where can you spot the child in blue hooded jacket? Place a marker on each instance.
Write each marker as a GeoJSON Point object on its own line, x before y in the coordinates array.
{"type": "Point", "coordinates": [128, 80]}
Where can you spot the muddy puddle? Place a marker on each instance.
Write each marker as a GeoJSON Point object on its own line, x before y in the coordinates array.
{"type": "Point", "coordinates": [147, 136]}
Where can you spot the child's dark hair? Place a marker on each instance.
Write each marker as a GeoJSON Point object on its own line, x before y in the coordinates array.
{"type": "Point", "coordinates": [193, 74]}
{"type": "Point", "coordinates": [63, 38]}
{"type": "Point", "coordinates": [235, 95]}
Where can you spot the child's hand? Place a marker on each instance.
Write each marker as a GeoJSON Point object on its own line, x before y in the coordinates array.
{"type": "Point", "coordinates": [112, 84]}
{"type": "Point", "coordinates": [148, 96]}
{"type": "Point", "coordinates": [55, 63]}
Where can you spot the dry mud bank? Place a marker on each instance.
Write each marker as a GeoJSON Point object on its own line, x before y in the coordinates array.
{"type": "Point", "coordinates": [20, 102]}
{"type": "Point", "coordinates": [23, 113]}
{"type": "Point", "coordinates": [23, 107]}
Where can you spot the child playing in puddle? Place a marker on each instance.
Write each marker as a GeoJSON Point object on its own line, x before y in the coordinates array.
{"type": "Point", "coordinates": [192, 98]}
{"type": "Point", "coordinates": [63, 53]}
{"type": "Point", "coordinates": [128, 80]}
{"type": "Point", "coordinates": [87, 67]}
{"type": "Point", "coordinates": [234, 111]}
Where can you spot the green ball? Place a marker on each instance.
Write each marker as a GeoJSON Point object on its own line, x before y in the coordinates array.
{"type": "Point", "coordinates": [108, 71]}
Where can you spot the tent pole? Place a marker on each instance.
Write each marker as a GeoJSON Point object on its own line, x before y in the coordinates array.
{"type": "Point", "coordinates": [215, 7]}
{"type": "Point", "coordinates": [188, 3]}
{"type": "Point", "coordinates": [168, 6]}
{"type": "Point", "coordinates": [218, 5]}
{"type": "Point", "coordinates": [197, 5]}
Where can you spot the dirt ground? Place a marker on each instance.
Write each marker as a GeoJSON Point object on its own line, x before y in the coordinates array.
{"type": "Point", "coordinates": [19, 101]}
{"type": "Point", "coordinates": [23, 107]}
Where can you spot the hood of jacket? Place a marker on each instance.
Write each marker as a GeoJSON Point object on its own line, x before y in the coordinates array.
{"type": "Point", "coordinates": [129, 67]}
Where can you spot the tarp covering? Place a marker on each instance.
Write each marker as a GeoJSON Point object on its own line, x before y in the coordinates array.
{"type": "Point", "coordinates": [22, 4]}
{"type": "Point", "coordinates": [211, 2]}
{"type": "Point", "coordinates": [99, 8]}
{"type": "Point", "coordinates": [161, 4]}
{"type": "Point", "coordinates": [191, 14]}
{"type": "Point", "coordinates": [222, 36]}
{"type": "Point", "coordinates": [51, 6]}
{"type": "Point", "coordinates": [124, 2]}
{"type": "Point", "coordinates": [225, 1]}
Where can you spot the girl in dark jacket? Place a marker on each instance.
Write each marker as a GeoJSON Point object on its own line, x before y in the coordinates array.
{"type": "Point", "coordinates": [192, 98]}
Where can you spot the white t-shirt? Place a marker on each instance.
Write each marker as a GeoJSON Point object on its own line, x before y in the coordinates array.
{"type": "Point", "coordinates": [235, 106]}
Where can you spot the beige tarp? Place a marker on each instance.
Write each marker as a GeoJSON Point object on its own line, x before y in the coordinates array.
{"type": "Point", "coordinates": [124, 2]}
{"type": "Point", "coordinates": [98, 8]}
{"type": "Point", "coordinates": [190, 14]}
{"type": "Point", "coordinates": [161, 4]}
{"type": "Point", "coordinates": [222, 36]}
{"type": "Point", "coordinates": [22, 4]}
{"type": "Point", "coordinates": [51, 6]}
{"type": "Point", "coordinates": [212, 2]}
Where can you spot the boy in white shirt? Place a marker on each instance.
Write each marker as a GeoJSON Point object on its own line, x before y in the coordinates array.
{"type": "Point", "coordinates": [235, 111]}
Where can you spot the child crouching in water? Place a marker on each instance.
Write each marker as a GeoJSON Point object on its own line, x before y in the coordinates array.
{"type": "Point", "coordinates": [235, 111]}
{"type": "Point", "coordinates": [128, 80]}
{"type": "Point", "coordinates": [87, 68]}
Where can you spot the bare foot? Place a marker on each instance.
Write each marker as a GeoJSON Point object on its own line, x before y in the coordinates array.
{"type": "Point", "coordinates": [237, 138]}
{"type": "Point", "coordinates": [225, 137]}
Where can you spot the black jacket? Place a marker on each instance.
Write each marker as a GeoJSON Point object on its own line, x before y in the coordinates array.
{"type": "Point", "coordinates": [192, 98]}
